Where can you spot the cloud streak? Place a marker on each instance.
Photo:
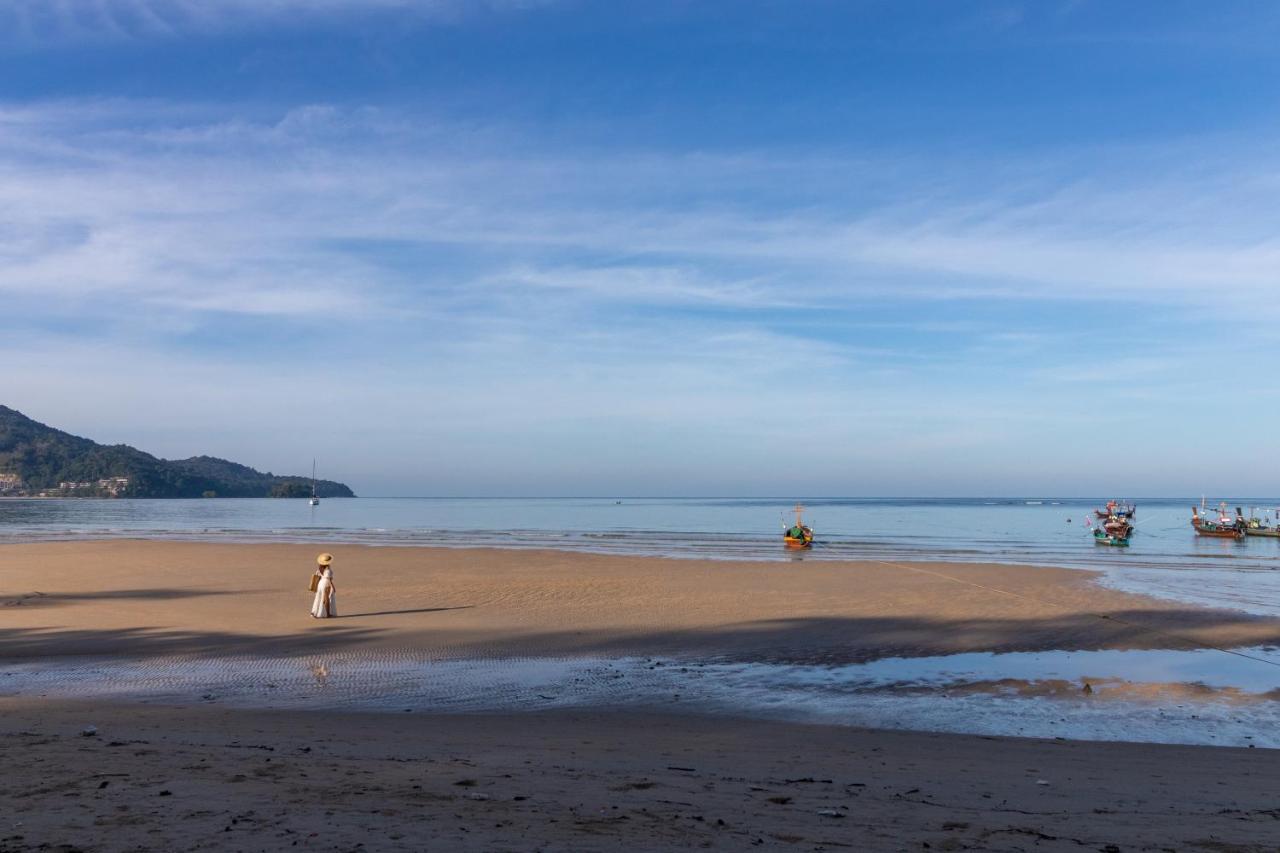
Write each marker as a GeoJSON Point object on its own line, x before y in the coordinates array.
{"type": "Point", "coordinates": [46, 23]}
{"type": "Point", "coordinates": [135, 199]}
{"type": "Point", "coordinates": [474, 283]}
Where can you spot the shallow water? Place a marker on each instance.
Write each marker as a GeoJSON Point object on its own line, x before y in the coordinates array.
{"type": "Point", "coordinates": [1195, 697]}
{"type": "Point", "coordinates": [1166, 559]}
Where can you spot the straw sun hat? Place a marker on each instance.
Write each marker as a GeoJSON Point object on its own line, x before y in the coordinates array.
{"type": "Point", "coordinates": [324, 559]}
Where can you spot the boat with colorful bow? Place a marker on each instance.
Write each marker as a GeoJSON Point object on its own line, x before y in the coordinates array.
{"type": "Point", "coordinates": [1102, 537]}
{"type": "Point", "coordinates": [1225, 527]}
{"type": "Point", "coordinates": [798, 535]}
{"type": "Point", "coordinates": [1115, 531]}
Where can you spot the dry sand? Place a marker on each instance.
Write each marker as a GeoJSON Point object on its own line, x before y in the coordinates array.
{"type": "Point", "coordinates": [153, 598]}
{"type": "Point", "coordinates": [598, 780]}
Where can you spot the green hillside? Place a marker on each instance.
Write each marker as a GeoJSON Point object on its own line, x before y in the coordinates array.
{"type": "Point", "coordinates": [38, 459]}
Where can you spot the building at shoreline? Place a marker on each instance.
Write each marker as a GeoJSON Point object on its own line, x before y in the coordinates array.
{"type": "Point", "coordinates": [11, 485]}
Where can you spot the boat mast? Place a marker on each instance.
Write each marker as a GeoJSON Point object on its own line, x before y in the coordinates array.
{"type": "Point", "coordinates": [313, 476]}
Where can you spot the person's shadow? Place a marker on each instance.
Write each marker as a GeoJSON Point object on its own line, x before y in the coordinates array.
{"type": "Point", "coordinates": [401, 612]}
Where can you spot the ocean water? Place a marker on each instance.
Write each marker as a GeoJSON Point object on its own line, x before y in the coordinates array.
{"type": "Point", "coordinates": [1165, 559]}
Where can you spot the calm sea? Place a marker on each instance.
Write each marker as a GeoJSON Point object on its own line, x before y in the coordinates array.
{"type": "Point", "coordinates": [1165, 559]}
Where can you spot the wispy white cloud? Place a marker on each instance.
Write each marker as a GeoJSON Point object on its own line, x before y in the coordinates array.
{"type": "Point", "coordinates": [647, 285]}
{"type": "Point", "coordinates": [145, 203]}
{"type": "Point", "coordinates": [472, 282]}
{"type": "Point", "coordinates": [36, 23]}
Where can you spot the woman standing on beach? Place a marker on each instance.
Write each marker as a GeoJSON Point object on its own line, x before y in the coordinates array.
{"type": "Point", "coordinates": [326, 600]}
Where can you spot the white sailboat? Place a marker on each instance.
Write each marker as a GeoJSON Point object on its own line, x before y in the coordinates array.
{"type": "Point", "coordinates": [315, 500]}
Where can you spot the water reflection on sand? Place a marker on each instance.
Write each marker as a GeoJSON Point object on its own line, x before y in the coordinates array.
{"type": "Point", "coordinates": [1204, 696]}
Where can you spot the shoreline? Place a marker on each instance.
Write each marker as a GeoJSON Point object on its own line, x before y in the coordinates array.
{"type": "Point", "coordinates": [1167, 559]}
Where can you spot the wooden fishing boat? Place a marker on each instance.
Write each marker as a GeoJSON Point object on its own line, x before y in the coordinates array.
{"type": "Point", "coordinates": [1115, 531]}
{"type": "Point", "coordinates": [1257, 526]}
{"type": "Point", "coordinates": [798, 535]}
{"type": "Point", "coordinates": [1102, 537]}
{"type": "Point", "coordinates": [1225, 527]}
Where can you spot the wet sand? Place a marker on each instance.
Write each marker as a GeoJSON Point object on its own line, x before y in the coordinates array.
{"type": "Point", "coordinates": [140, 598]}
{"type": "Point", "coordinates": [205, 776]}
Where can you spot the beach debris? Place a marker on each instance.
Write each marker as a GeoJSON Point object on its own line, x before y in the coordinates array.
{"type": "Point", "coordinates": [830, 813]}
{"type": "Point", "coordinates": [682, 769]}
{"type": "Point", "coordinates": [166, 793]}
{"type": "Point", "coordinates": [782, 801]}
{"type": "Point", "coordinates": [1042, 781]}
{"type": "Point", "coordinates": [89, 731]}
{"type": "Point", "coordinates": [466, 783]}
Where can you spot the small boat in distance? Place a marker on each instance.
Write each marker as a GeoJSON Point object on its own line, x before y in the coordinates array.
{"type": "Point", "coordinates": [1117, 509]}
{"type": "Point", "coordinates": [315, 500]}
{"type": "Point", "coordinates": [798, 535]}
{"type": "Point", "coordinates": [1225, 527]}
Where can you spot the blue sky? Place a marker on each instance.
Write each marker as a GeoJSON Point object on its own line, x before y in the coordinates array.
{"type": "Point", "coordinates": [547, 248]}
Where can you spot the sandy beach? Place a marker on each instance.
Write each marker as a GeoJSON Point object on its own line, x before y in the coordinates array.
{"type": "Point", "coordinates": [143, 598]}
{"type": "Point", "coordinates": [208, 775]}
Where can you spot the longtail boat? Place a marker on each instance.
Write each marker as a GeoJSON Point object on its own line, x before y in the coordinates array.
{"type": "Point", "coordinates": [1117, 510]}
{"type": "Point", "coordinates": [1102, 537]}
{"type": "Point", "coordinates": [1225, 527]}
{"type": "Point", "coordinates": [1257, 526]}
{"type": "Point", "coordinates": [798, 535]}
{"type": "Point", "coordinates": [1116, 531]}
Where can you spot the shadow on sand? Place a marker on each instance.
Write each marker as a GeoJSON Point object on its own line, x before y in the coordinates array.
{"type": "Point", "coordinates": [401, 612]}
{"type": "Point", "coordinates": [45, 599]}
{"type": "Point", "coordinates": [822, 640]}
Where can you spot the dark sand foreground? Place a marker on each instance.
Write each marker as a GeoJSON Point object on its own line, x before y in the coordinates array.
{"type": "Point", "coordinates": [209, 777]}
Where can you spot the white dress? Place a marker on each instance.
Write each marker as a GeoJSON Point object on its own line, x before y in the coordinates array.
{"type": "Point", "coordinates": [324, 588]}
